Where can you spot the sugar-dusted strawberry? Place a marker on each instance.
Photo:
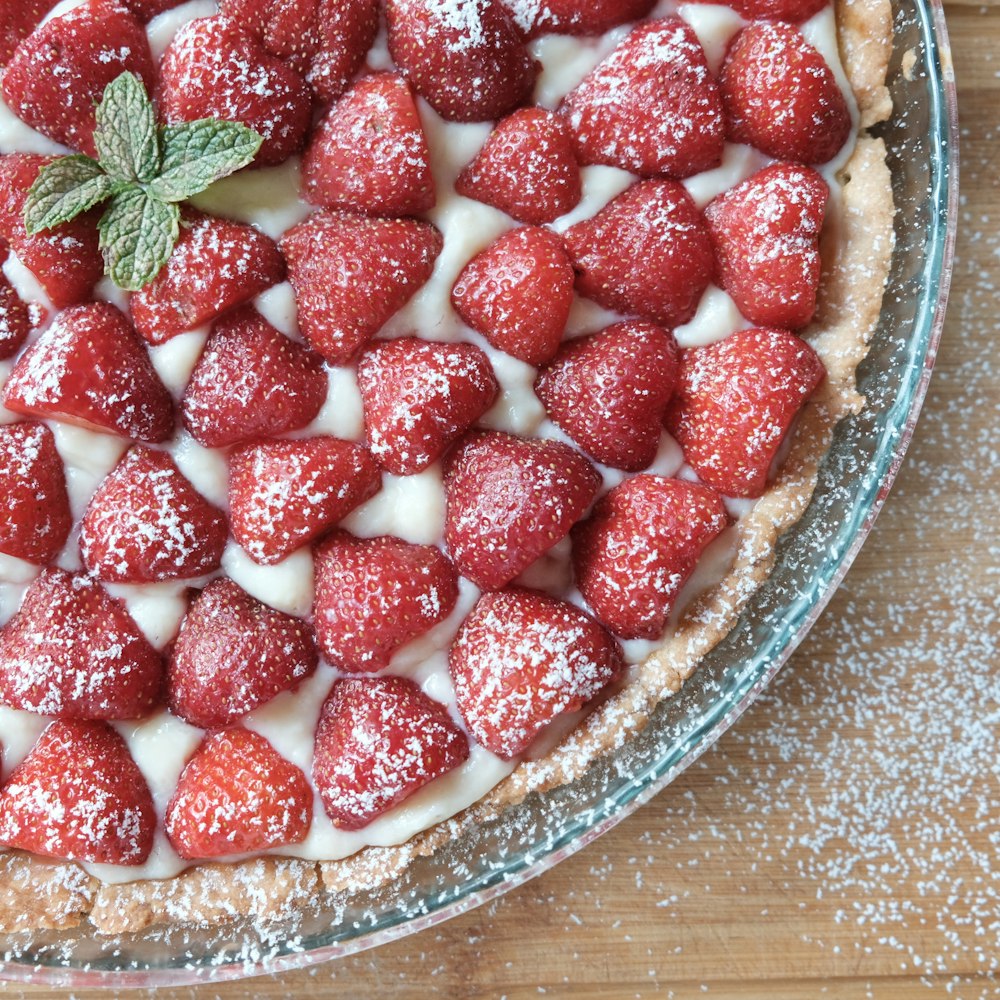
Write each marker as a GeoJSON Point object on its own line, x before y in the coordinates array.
{"type": "Point", "coordinates": [420, 396]}
{"type": "Point", "coordinates": [518, 293]}
{"type": "Point", "coordinates": [286, 494]}
{"type": "Point", "coordinates": [17, 21]}
{"type": "Point", "coordinates": [521, 660]}
{"type": "Point", "coordinates": [636, 551]}
{"type": "Point", "coordinates": [793, 11]}
{"type": "Point", "coordinates": [781, 96]}
{"type": "Point", "coordinates": [74, 652]}
{"type": "Point", "coordinates": [576, 17]}
{"type": "Point", "coordinates": [647, 253]}
{"type": "Point", "coordinates": [58, 75]}
{"type": "Point", "coordinates": [374, 595]}
{"type": "Point", "coordinates": [79, 796]}
{"type": "Point", "coordinates": [370, 154]}
{"type": "Point", "coordinates": [147, 523]}
{"type": "Point", "coordinates": [215, 69]}
{"type": "Point", "coordinates": [351, 274]}
{"type": "Point", "coordinates": [15, 320]}
{"type": "Point", "coordinates": [237, 795]}
{"type": "Point", "coordinates": [527, 168]}
{"type": "Point", "coordinates": [735, 402]}
{"type": "Point", "coordinates": [146, 10]}
{"type": "Point", "coordinates": [216, 265]}
{"type": "Point", "coordinates": [466, 57]}
{"type": "Point", "coordinates": [90, 368]}
{"type": "Point", "coordinates": [509, 500]}
{"type": "Point", "coordinates": [378, 741]}
{"type": "Point", "coordinates": [35, 518]}
{"type": "Point", "coordinates": [609, 391]}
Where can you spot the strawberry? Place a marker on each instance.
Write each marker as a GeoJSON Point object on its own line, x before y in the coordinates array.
{"type": "Point", "coordinates": [647, 253]}
{"type": "Point", "coordinates": [15, 320]}
{"type": "Point", "coordinates": [652, 107]}
{"type": "Point", "coordinates": [609, 391]}
{"type": "Point", "coordinates": [521, 660]}
{"type": "Point", "coordinates": [638, 548]}
{"type": "Point", "coordinates": [73, 651]}
{"type": "Point", "coordinates": [79, 796]}
{"type": "Point", "coordinates": [781, 97]}
{"type": "Point", "coordinates": [252, 381]}
{"type": "Point", "coordinates": [17, 21]}
{"type": "Point", "coordinates": [216, 265]}
{"type": "Point", "coordinates": [378, 741]}
{"type": "Point", "coordinates": [576, 17]}
{"type": "Point", "coordinates": [286, 494]}
{"type": "Point", "coordinates": [147, 523]}
{"type": "Point", "coordinates": [370, 154]}
{"type": "Point", "coordinates": [793, 11]}
{"type": "Point", "coordinates": [509, 500]}
{"type": "Point", "coordinates": [374, 595]}
{"type": "Point", "coordinates": [351, 274]}
{"type": "Point", "coordinates": [35, 518]}
{"type": "Point", "coordinates": [237, 795]}
{"type": "Point", "coordinates": [518, 294]}
{"type": "Point", "coordinates": [419, 397]}
{"type": "Point", "coordinates": [234, 654]}
{"type": "Point", "coordinates": [466, 57]}
{"type": "Point", "coordinates": [735, 403]}
{"type": "Point", "coordinates": [146, 10]}
{"type": "Point", "coordinates": [91, 369]}
{"type": "Point", "coordinates": [527, 168]}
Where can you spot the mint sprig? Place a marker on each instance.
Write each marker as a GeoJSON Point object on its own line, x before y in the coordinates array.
{"type": "Point", "coordinates": [142, 171]}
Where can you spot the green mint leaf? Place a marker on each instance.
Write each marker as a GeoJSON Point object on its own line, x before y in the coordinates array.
{"type": "Point", "coordinates": [63, 190]}
{"type": "Point", "coordinates": [126, 136]}
{"type": "Point", "coordinates": [138, 234]}
{"type": "Point", "coordinates": [197, 154]}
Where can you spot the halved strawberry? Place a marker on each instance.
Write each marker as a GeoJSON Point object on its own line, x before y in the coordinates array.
{"type": "Point", "coordinates": [15, 320]}
{"type": "Point", "coordinates": [79, 796]}
{"type": "Point", "coordinates": [252, 381]}
{"type": "Point", "coordinates": [147, 523]}
{"type": "Point", "coordinates": [518, 293]}
{"type": "Point", "coordinates": [74, 652]}
{"type": "Point", "coordinates": [509, 500]}
{"type": "Point", "coordinates": [17, 21]}
{"type": "Point", "coordinates": [576, 17]}
{"type": "Point", "coordinates": [351, 274]}
{"type": "Point", "coordinates": [793, 11]}
{"type": "Point", "coordinates": [216, 265]}
{"type": "Point", "coordinates": [609, 391]}
{"type": "Point", "coordinates": [638, 548]}
{"type": "Point", "coordinates": [378, 741]}
{"type": "Point", "coordinates": [90, 368]}
{"type": "Point", "coordinates": [647, 253]}
{"type": "Point", "coordinates": [370, 154]}
{"type": "Point", "coordinates": [522, 659]}
{"type": "Point", "coordinates": [420, 396]}
{"type": "Point", "coordinates": [286, 494]}
{"type": "Point", "coordinates": [374, 595]}
{"type": "Point", "coordinates": [736, 401]}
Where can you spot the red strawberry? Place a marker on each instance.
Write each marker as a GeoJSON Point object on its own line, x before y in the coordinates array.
{"type": "Point", "coordinates": [216, 265]}
{"type": "Point", "coordinates": [90, 368]}
{"type": "Point", "coordinates": [646, 253]}
{"type": "Point", "coordinates": [781, 97]}
{"type": "Point", "coordinates": [234, 654]}
{"type": "Point", "coordinates": [146, 10]}
{"type": "Point", "coordinates": [17, 21]}
{"type": "Point", "coordinates": [527, 168]}
{"type": "Point", "coordinates": [652, 107]}
{"type": "Point", "coordinates": [419, 397]}
{"type": "Point", "coordinates": [378, 741]}
{"type": "Point", "coordinates": [252, 381]}
{"type": "Point", "coordinates": [79, 796]}
{"type": "Point", "coordinates": [58, 74]}
{"type": "Point", "coordinates": [509, 500]}
{"type": "Point", "coordinates": [609, 391]}
{"type": "Point", "coordinates": [374, 595]}
{"type": "Point", "coordinates": [351, 274]}
{"type": "Point", "coordinates": [286, 494]}
{"type": "Point", "coordinates": [521, 660]}
{"type": "Point", "coordinates": [73, 651]}
{"type": "Point", "coordinates": [35, 518]}
{"type": "Point", "coordinates": [735, 403]}
{"type": "Point", "coordinates": [15, 320]}
{"type": "Point", "coordinates": [147, 523]}
{"type": "Point", "coordinates": [370, 154]}
{"type": "Point", "coordinates": [793, 11]}
{"type": "Point", "coordinates": [576, 17]}
{"type": "Point", "coordinates": [638, 548]}
{"type": "Point", "coordinates": [237, 795]}
{"type": "Point", "coordinates": [215, 69]}
{"type": "Point", "coordinates": [518, 294]}
{"type": "Point", "coordinates": [466, 57]}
